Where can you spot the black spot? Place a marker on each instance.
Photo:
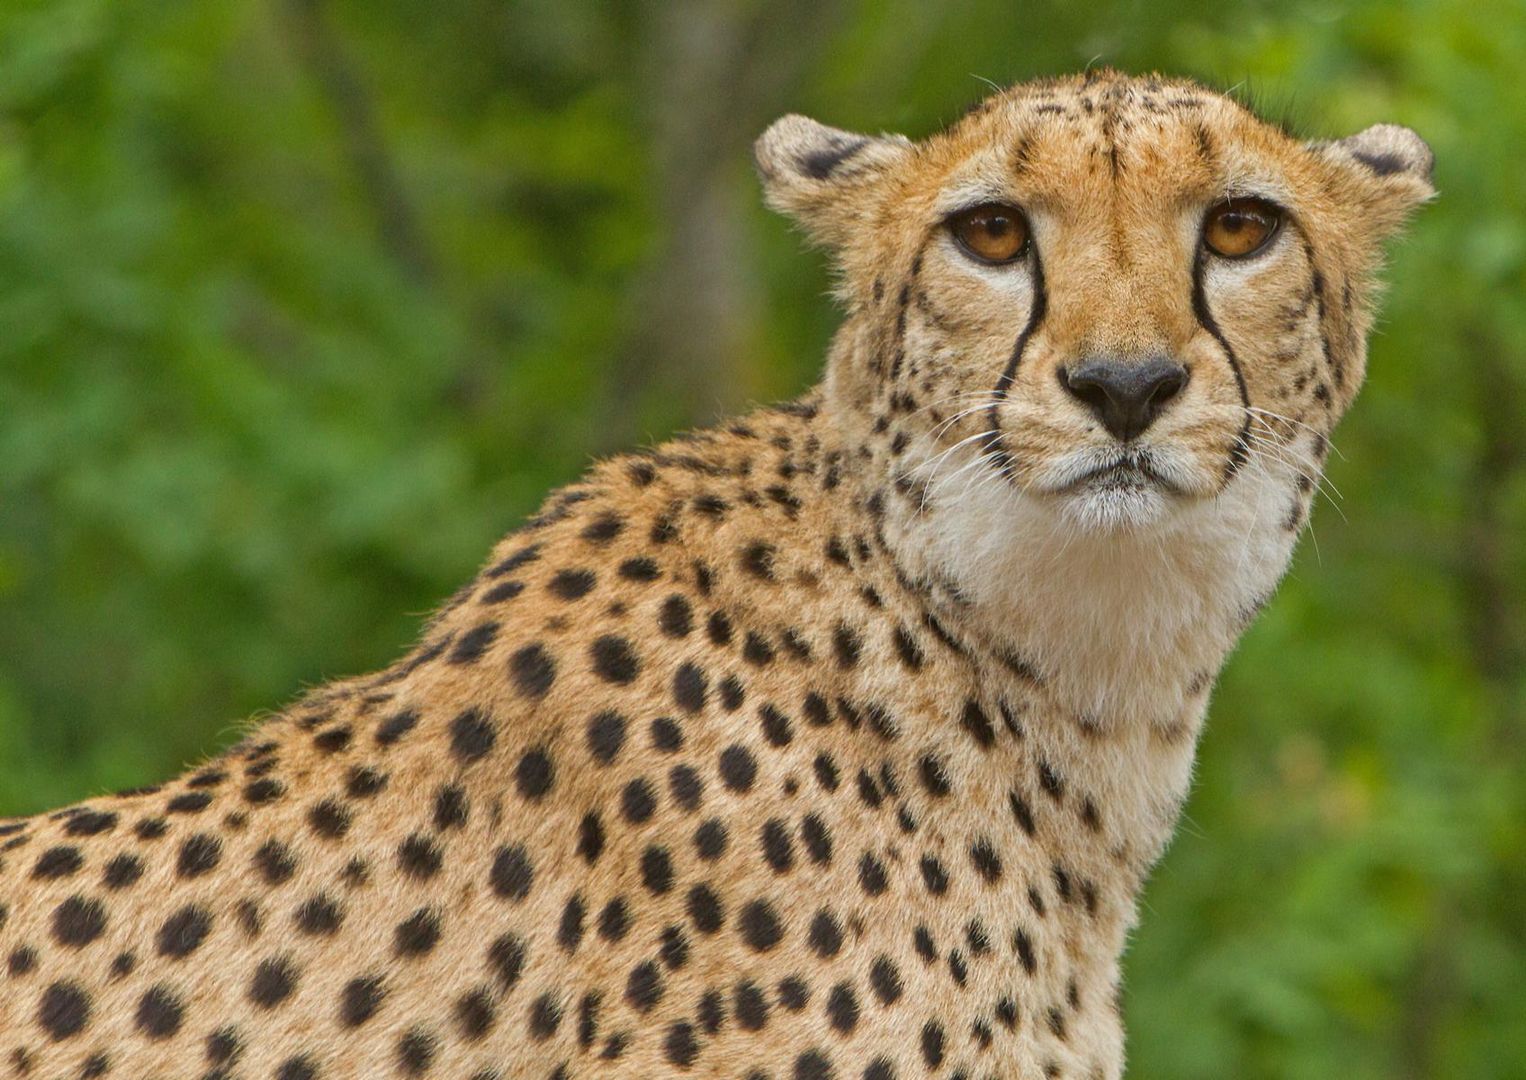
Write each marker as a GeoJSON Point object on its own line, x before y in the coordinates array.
{"type": "Point", "coordinates": [57, 862]}
{"type": "Point", "coordinates": [160, 1012]}
{"type": "Point", "coordinates": [679, 1045]}
{"type": "Point", "coordinates": [362, 782]}
{"type": "Point", "coordinates": [318, 915]}
{"type": "Point", "coordinates": [614, 660]}
{"type": "Point", "coordinates": [1021, 812]}
{"type": "Point", "coordinates": [880, 1069]}
{"type": "Point", "coordinates": [545, 1016]}
{"type": "Point", "coordinates": [667, 736]}
{"type": "Point", "coordinates": [987, 863]}
{"type": "Point", "coordinates": [674, 950]}
{"type": "Point", "coordinates": [504, 590]}
{"type": "Point", "coordinates": [535, 774]}
{"type": "Point", "coordinates": [705, 909]}
{"type": "Point", "coordinates": [78, 921]}
{"type": "Point", "coordinates": [934, 876]}
{"type": "Point", "coordinates": [264, 790]}
{"type": "Point", "coordinates": [590, 838]}
{"type": "Point", "coordinates": [710, 840]}
{"type": "Point", "coordinates": [532, 671]}
{"type": "Point", "coordinates": [756, 649]}
{"type": "Point", "coordinates": [275, 862]}
{"type": "Point", "coordinates": [606, 736]}
{"type": "Point", "coordinates": [871, 875]}
{"type": "Point", "coordinates": [329, 819]}
{"type": "Point", "coordinates": [732, 693]}
{"type": "Point", "coordinates": [570, 933]}
{"type": "Point", "coordinates": [978, 725]}
{"type": "Point", "coordinates": [932, 1044]}
{"type": "Point", "coordinates": [123, 870]}
{"type": "Point", "coordinates": [776, 726]}
{"type": "Point", "coordinates": [359, 1000]}
{"type": "Point", "coordinates": [297, 1067]}
{"type": "Point", "coordinates": [687, 787]}
{"type": "Point", "coordinates": [738, 768]}
{"type": "Point", "coordinates": [885, 980]}
{"type": "Point", "coordinates": [934, 775]}
{"type": "Point", "coordinates": [847, 646]}
{"type": "Point", "coordinates": [512, 873]}
{"type": "Point", "coordinates": [758, 560]}
{"type": "Point", "coordinates": [813, 1065]}
{"type": "Point", "coordinates": [657, 870]}
{"type": "Point", "coordinates": [506, 959]}
{"type": "Point", "coordinates": [818, 839]}
{"type": "Point", "coordinates": [842, 1008]}
{"type": "Point", "coordinates": [690, 687]}
{"type": "Point", "coordinates": [825, 934]}
{"type": "Point", "coordinates": [475, 1014]}
{"type": "Point", "coordinates": [676, 617]}
{"type": "Point", "coordinates": [273, 982]}
{"type": "Point", "coordinates": [603, 529]}
{"type": "Point", "coordinates": [332, 740]}
{"type": "Point", "coordinates": [419, 857]}
{"type": "Point", "coordinates": [416, 1052]}
{"type": "Point", "coordinates": [640, 569]}
{"type": "Point", "coordinates": [150, 828]}
{"type": "Point", "coordinates": [572, 584]}
{"type": "Point", "coordinates": [90, 823]}
{"type": "Point", "coordinates": [638, 800]}
{"type": "Point", "coordinates": [826, 772]}
{"type": "Point", "coordinates": [778, 846]}
{"type": "Point", "coordinates": [759, 925]}
{"type": "Point", "coordinates": [644, 986]}
{"type": "Point", "coordinates": [198, 854]}
{"type": "Point", "coordinates": [64, 1010]}
{"type": "Point", "coordinates": [395, 727]}
{"type": "Point", "coordinates": [22, 961]}
{"type": "Point", "coordinates": [417, 934]}
{"type": "Point", "coordinates": [183, 932]}
{"type": "Point", "coordinates": [190, 802]}
{"type": "Point", "coordinates": [450, 808]}
{"type": "Point", "coordinates": [614, 920]}
{"type": "Point", "coordinates": [523, 557]}
{"type": "Point", "coordinates": [471, 736]}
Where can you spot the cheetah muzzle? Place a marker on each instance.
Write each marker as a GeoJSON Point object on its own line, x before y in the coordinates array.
{"type": "Point", "coordinates": [832, 742]}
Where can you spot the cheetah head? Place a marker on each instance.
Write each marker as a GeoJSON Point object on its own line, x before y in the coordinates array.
{"type": "Point", "coordinates": [1108, 298]}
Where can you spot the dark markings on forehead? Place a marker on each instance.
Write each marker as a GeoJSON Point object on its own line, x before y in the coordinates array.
{"type": "Point", "coordinates": [1205, 148]}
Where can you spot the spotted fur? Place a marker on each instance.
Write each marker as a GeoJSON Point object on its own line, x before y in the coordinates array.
{"type": "Point", "coordinates": [832, 742]}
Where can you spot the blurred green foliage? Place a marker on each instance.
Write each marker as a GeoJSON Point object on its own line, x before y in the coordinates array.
{"type": "Point", "coordinates": [305, 302]}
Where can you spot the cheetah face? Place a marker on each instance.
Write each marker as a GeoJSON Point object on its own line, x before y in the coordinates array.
{"type": "Point", "coordinates": [1109, 297]}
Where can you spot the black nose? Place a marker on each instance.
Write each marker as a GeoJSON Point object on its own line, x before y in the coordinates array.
{"type": "Point", "coordinates": [1126, 395]}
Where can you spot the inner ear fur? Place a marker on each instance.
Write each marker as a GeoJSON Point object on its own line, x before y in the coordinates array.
{"type": "Point", "coordinates": [818, 175]}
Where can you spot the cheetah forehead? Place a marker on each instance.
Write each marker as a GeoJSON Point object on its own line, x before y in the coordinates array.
{"type": "Point", "coordinates": [1131, 145]}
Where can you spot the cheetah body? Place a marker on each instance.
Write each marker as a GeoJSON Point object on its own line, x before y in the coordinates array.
{"type": "Point", "coordinates": [771, 752]}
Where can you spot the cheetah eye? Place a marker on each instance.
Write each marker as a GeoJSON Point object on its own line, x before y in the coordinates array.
{"type": "Point", "coordinates": [992, 234]}
{"type": "Point", "coordinates": [1237, 228]}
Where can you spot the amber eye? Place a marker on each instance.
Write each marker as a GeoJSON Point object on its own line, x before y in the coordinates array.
{"type": "Point", "coordinates": [992, 233]}
{"type": "Point", "coordinates": [1236, 228]}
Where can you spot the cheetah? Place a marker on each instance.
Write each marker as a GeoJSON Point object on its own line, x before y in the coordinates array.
{"type": "Point", "coordinates": [833, 742]}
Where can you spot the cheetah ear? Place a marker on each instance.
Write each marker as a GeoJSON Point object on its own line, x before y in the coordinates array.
{"type": "Point", "coordinates": [810, 171]}
{"type": "Point", "coordinates": [1388, 168]}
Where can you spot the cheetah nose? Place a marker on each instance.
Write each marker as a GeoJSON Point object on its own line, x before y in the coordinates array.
{"type": "Point", "coordinates": [1126, 395]}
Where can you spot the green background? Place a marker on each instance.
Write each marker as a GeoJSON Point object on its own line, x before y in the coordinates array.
{"type": "Point", "coordinates": [303, 303]}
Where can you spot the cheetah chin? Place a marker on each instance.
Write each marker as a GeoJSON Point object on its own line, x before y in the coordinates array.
{"type": "Point", "coordinates": [832, 743]}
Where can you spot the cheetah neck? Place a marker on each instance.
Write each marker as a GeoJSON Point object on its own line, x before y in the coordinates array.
{"type": "Point", "coordinates": [1124, 634]}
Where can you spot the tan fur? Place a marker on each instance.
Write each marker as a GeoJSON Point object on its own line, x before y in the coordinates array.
{"type": "Point", "coordinates": [942, 711]}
